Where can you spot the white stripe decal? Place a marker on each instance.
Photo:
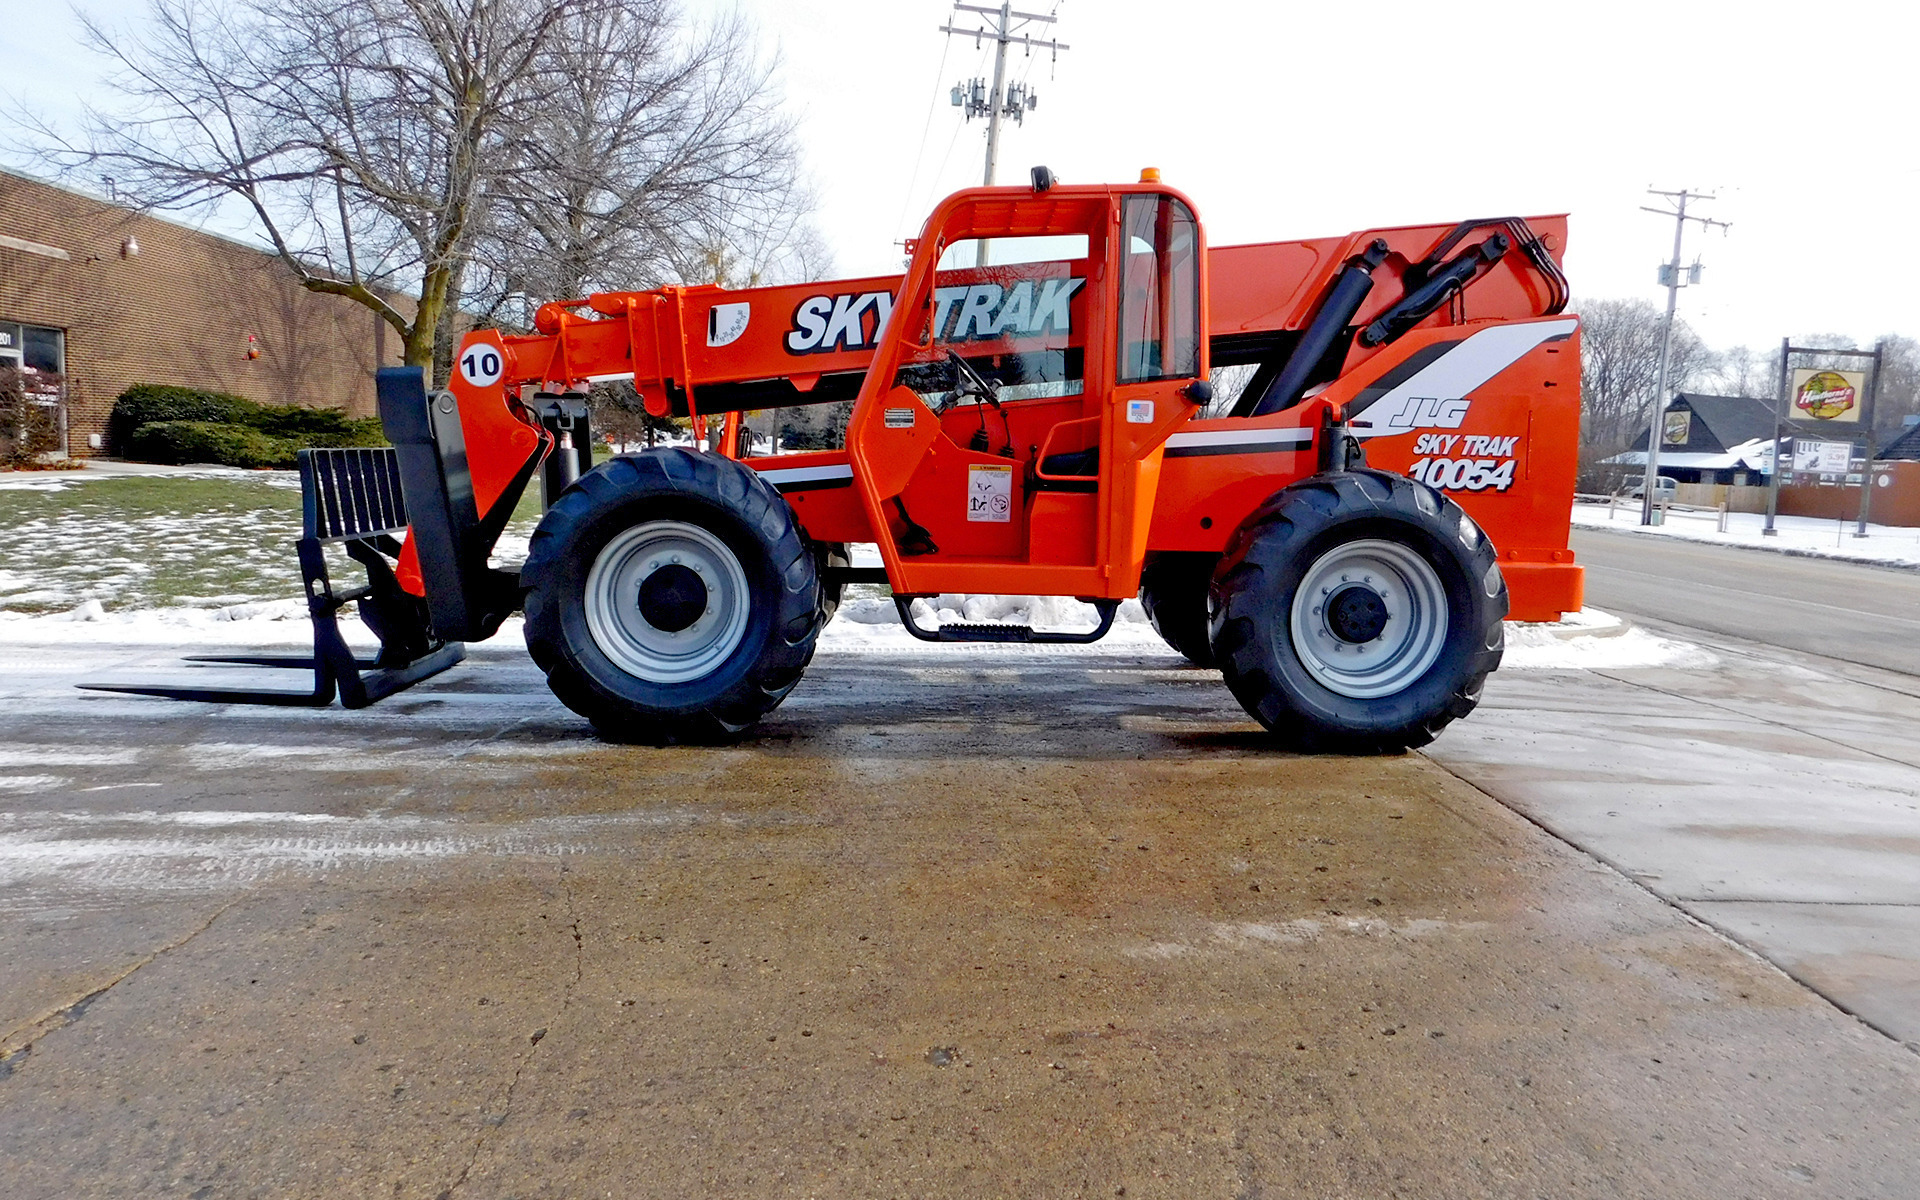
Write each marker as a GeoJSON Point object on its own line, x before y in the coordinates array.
{"type": "Point", "coordinates": [610, 378]}
{"type": "Point", "coordinates": [1291, 436]}
{"type": "Point", "coordinates": [1435, 397]}
{"type": "Point", "coordinates": [808, 474]}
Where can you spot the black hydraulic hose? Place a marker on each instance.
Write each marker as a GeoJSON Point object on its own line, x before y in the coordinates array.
{"type": "Point", "coordinates": [1530, 244]}
{"type": "Point", "coordinates": [1443, 283]}
{"type": "Point", "coordinates": [1344, 296]}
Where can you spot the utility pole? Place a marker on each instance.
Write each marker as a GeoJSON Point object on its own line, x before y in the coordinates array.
{"type": "Point", "coordinates": [1670, 276]}
{"type": "Point", "coordinates": [1003, 25]}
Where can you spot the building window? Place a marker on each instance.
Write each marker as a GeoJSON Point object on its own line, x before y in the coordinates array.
{"type": "Point", "coordinates": [34, 347]}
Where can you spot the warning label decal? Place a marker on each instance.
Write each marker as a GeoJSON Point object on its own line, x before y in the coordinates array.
{"type": "Point", "coordinates": [989, 492]}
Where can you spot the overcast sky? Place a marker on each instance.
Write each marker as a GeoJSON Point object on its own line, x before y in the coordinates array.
{"type": "Point", "coordinates": [1302, 120]}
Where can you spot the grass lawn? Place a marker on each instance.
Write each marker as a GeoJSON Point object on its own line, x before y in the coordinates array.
{"type": "Point", "coordinates": [151, 542]}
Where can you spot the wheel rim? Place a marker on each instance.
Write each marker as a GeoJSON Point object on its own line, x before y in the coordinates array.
{"type": "Point", "coordinates": [643, 601]}
{"type": "Point", "coordinates": [1369, 618]}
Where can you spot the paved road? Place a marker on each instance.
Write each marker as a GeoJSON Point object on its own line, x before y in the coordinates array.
{"type": "Point", "coordinates": [1858, 614]}
{"type": "Point", "coordinates": [968, 923]}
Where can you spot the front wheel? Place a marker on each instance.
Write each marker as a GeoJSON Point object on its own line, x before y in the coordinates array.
{"type": "Point", "coordinates": [670, 596]}
{"type": "Point", "coordinates": [1358, 612]}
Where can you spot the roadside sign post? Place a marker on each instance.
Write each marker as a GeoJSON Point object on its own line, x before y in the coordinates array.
{"type": "Point", "coordinates": [1825, 396]}
{"type": "Point", "coordinates": [1672, 277]}
{"type": "Point", "coordinates": [1866, 470]}
{"type": "Point", "coordinates": [1779, 420]}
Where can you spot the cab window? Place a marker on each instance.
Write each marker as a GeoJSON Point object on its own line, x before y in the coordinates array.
{"type": "Point", "coordinates": [1013, 317]}
{"type": "Point", "coordinates": [1159, 290]}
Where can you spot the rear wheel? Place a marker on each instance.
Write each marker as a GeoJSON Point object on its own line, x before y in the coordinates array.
{"type": "Point", "coordinates": [1358, 612]}
{"type": "Point", "coordinates": [670, 596]}
{"type": "Point", "coordinates": [1173, 590]}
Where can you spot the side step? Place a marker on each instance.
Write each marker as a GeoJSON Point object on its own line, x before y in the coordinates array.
{"type": "Point", "coordinates": [1007, 633]}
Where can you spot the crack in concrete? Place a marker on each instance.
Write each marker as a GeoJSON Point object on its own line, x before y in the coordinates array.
{"type": "Point", "coordinates": [18, 1043]}
{"type": "Point", "coordinates": [488, 1124]}
{"type": "Point", "coordinates": [1677, 905]}
{"type": "Point", "coordinates": [1807, 903]}
{"type": "Point", "coordinates": [1758, 652]}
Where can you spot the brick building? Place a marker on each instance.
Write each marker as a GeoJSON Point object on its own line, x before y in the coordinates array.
{"type": "Point", "coordinates": [109, 297]}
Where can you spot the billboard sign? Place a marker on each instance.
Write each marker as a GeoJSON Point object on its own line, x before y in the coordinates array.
{"type": "Point", "coordinates": [1831, 397]}
{"type": "Point", "coordinates": [1821, 458]}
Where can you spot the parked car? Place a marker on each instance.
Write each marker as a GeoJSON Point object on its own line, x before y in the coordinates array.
{"type": "Point", "coordinates": [1663, 488]}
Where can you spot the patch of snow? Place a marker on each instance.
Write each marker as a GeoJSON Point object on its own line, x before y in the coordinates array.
{"type": "Point", "coordinates": [32, 783]}
{"type": "Point", "coordinates": [27, 754]}
{"type": "Point", "coordinates": [1594, 640]}
{"type": "Point", "coordinates": [54, 863]}
{"type": "Point", "coordinates": [1588, 619]}
{"type": "Point", "coordinates": [261, 623]}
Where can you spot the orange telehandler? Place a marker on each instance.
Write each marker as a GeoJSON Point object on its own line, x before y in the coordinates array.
{"type": "Point", "coordinates": [1342, 538]}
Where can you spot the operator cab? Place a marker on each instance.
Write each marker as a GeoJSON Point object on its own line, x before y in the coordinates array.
{"type": "Point", "coordinates": [1044, 345]}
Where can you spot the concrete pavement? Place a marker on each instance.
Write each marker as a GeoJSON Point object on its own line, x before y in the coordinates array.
{"type": "Point", "coordinates": [1775, 795]}
{"type": "Point", "coordinates": [981, 922]}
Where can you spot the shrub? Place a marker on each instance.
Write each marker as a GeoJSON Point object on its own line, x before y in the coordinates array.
{"type": "Point", "coordinates": [317, 426]}
{"type": "Point", "coordinates": [146, 404]}
{"type": "Point", "coordinates": [176, 443]}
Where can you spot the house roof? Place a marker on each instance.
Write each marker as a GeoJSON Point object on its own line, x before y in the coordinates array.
{"type": "Point", "coordinates": [1754, 455]}
{"type": "Point", "coordinates": [1906, 446]}
{"type": "Point", "coordinates": [1719, 425]}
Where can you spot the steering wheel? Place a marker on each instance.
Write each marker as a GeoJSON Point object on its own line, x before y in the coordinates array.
{"type": "Point", "coordinates": [973, 381]}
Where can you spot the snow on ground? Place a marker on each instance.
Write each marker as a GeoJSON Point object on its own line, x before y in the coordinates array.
{"type": "Point", "coordinates": [258, 623]}
{"type": "Point", "coordinates": [205, 560]}
{"type": "Point", "coordinates": [208, 538]}
{"type": "Point", "coordinates": [141, 542]}
{"type": "Point", "coordinates": [1813, 536]}
{"type": "Point", "coordinates": [865, 624]}
{"type": "Point", "coordinates": [1594, 640]}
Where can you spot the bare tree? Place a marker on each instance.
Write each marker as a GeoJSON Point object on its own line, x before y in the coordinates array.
{"type": "Point", "coordinates": [363, 137]}
{"type": "Point", "coordinates": [1898, 396]}
{"type": "Point", "coordinates": [1620, 368]}
{"type": "Point", "coordinates": [387, 148]}
{"type": "Point", "coordinates": [664, 159]}
{"type": "Point", "coordinates": [1743, 371]}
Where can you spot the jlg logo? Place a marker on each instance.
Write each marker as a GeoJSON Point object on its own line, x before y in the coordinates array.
{"type": "Point", "coordinates": [1413, 412]}
{"type": "Point", "coordinates": [970, 313]}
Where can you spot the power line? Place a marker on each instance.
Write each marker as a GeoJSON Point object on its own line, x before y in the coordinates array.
{"type": "Point", "coordinates": [913, 178]}
{"type": "Point", "coordinates": [1003, 25]}
{"type": "Point", "coordinates": [1670, 276]}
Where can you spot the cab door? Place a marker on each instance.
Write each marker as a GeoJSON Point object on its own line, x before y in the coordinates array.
{"type": "Point", "coordinates": [1161, 352]}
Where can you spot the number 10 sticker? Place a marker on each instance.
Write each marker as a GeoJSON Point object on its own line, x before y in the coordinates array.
{"type": "Point", "coordinates": [480, 365]}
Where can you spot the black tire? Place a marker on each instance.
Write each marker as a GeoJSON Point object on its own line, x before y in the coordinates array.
{"type": "Point", "coordinates": [825, 555]}
{"type": "Point", "coordinates": [1173, 590]}
{"type": "Point", "coordinates": [1306, 535]}
{"type": "Point", "coordinates": [725, 517]}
